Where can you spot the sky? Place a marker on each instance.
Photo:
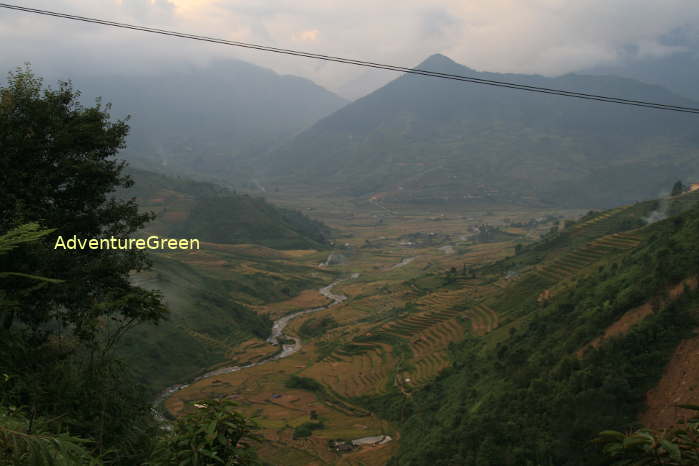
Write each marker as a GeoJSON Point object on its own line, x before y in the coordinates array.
{"type": "Point", "coordinates": [549, 37]}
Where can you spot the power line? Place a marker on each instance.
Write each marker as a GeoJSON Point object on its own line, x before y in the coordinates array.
{"type": "Point", "coordinates": [368, 64]}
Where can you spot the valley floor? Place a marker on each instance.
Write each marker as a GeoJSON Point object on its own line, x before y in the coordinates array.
{"type": "Point", "coordinates": [413, 293]}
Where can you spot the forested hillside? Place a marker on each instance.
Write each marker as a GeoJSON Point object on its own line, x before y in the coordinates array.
{"type": "Point", "coordinates": [540, 388]}
{"type": "Point", "coordinates": [192, 209]}
{"type": "Point", "coordinates": [432, 140]}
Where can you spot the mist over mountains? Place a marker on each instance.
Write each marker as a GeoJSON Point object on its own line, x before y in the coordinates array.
{"type": "Point", "coordinates": [422, 140]}
{"type": "Point", "coordinates": [416, 139]}
{"type": "Point", "coordinates": [677, 68]}
{"type": "Point", "coordinates": [209, 121]}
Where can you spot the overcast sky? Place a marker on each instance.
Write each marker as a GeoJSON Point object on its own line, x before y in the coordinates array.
{"type": "Point", "coordinates": [533, 36]}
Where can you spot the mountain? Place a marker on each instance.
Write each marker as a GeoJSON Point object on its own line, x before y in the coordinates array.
{"type": "Point", "coordinates": [674, 65]}
{"type": "Point", "coordinates": [422, 139]}
{"type": "Point", "coordinates": [678, 72]}
{"type": "Point", "coordinates": [365, 83]}
{"type": "Point", "coordinates": [195, 209]}
{"type": "Point", "coordinates": [209, 121]}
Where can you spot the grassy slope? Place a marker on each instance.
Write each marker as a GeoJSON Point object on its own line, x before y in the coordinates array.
{"type": "Point", "coordinates": [522, 386]}
{"type": "Point", "coordinates": [193, 209]}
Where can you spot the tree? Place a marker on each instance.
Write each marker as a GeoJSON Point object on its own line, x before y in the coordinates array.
{"type": "Point", "coordinates": [59, 175]}
{"type": "Point", "coordinates": [25, 441]}
{"type": "Point", "coordinates": [57, 168]}
{"type": "Point", "coordinates": [677, 189]}
{"type": "Point", "coordinates": [645, 447]}
{"type": "Point", "coordinates": [19, 447]}
{"type": "Point", "coordinates": [212, 434]}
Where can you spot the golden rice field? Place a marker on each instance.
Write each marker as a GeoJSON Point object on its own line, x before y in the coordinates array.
{"type": "Point", "coordinates": [391, 334]}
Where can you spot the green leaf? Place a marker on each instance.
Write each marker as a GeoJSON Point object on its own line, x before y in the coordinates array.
{"type": "Point", "coordinates": [33, 277]}
{"type": "Point", "coordinates": [609, 435]}
{"type": "Point", "coordinates": [635, 441]}
{"type": "Point", "coordinates": [672, 449]}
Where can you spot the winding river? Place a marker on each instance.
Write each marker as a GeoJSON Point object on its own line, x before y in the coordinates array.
{"type": "Point", "coordinates": [287, 349]}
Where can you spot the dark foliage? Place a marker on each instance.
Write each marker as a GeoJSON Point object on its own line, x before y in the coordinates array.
{"type": "Point", "coordinates": [530, 399]}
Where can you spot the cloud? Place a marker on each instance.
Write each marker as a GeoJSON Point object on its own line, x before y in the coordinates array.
{"type": "Point", "coordinates": [532, 36]}
{"type": "Point", "coordinates": [307, 35]}
{"type": "Point", "coordinates": [437, 23]}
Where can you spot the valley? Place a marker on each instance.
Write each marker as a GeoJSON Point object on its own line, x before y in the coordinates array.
{"type": "Point", "coordinates": [405, 291]}
{"type": "Point", "coordinates": [412, 291]}
{"type": "Point", "coordinates": [463, 266]}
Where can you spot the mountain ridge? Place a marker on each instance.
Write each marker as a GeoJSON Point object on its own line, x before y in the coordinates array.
{"type": "Point", "coordinates": [411, 137]}
{"type": "Point", "coordinates": [209, 121]}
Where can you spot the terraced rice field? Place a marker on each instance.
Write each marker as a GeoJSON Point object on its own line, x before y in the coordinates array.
{"type": "Point", "coordinates": [483, 319]}
{"type": "Point", "coordinates": [351, 375]}
{"type": "Point", "coordinates": [426, 368]}
{"type": "Point", "coordinates": [573, 262]}
{"type": "Point", "coordinates": [443, 300]}
{"type": "Point", "coordinates": [596, 225]}
{"type": "Point", "coordinates": [394, 330]}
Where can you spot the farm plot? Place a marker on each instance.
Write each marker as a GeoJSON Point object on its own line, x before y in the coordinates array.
{"type": "Point", "coordinates": [483, 319]}
{"type": "Point", "coordinates": [446, 299]}
{"type": "Point", "coordinates": [425, 368]}
{"type": "Point", "coordinates": [574, 261]}
{"type": "Point", "coordinates": [355, 370]}
{"type": "Point", "coordinates": [595, 226]}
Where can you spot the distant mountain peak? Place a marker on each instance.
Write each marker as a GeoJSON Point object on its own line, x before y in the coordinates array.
{"type": "Point", "coordinates": [437, 61]}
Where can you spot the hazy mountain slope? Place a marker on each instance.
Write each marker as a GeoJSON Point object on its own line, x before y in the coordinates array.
{"type": "Point", "coordinates": [675, 65]}
{"type": "Point", "coordinates": [209, 120]}
{"type": "Point", "coordinates": [425, 139]}
{"type": "Point", "coordinates": [193, 209]}
{"type": "Point", "coordinates": [679, 72]}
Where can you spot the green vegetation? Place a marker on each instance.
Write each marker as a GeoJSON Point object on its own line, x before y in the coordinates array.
{"type": "Point", "coordinates": [237, 218]}
{"type": "Point", "coordinates": [313, 328]}
{"type": "Point", "coordinates": [206, 323]}
{"type": "Point", "coordinates": [306, 429]}
{"type": "Point", "coordinates": [678, 446]}
{"type": "Point", "coordinates": [216, 214]}
{"type": "Point", "coordinates": [491, 234]}
{"type": "Point", "coordinates": [304, 383]}
{"type": "Point", "coordinates": [324, 394]}
{"type": "Point", "coordinates": [531, 392]}
{"type": "Point", "coordinates": [211, 434]}
{"type": "Point", "coordinates": [57, 337]}
{"type": "Point", "coordinates": [677, 188]}
{"type": "Point", "coordinates": [65, 397]}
